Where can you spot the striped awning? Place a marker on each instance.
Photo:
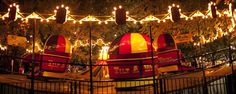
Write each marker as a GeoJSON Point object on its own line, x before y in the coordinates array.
{"type": "Point", "coordinates": [58, 43]}
{"type": "Point", "coordinates": [163, 42]}
{"type": "Point", "coordinates": [130, 43]}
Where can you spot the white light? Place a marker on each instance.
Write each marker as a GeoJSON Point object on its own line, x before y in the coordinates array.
{"type": "Point", "coordinates": [177, 6]}
{"type": "Point", "coordinates": [227, 64]}
{"type": "Point", "coordinates": [115, 8]}
{"type": "Point", "coordinates": [127, 12]}
{"type": "Point", "coordinates": [106, 22]}
{"type": "Point", "coordinates": [67, 8]}
{"type": "Point", "coordinates": [99, 22]}
{"type": "Point", "coordinates": [120, 6]}
{"type": "Point", "coordinates": [57, 7]}
{"type": "Point", "coordinates": [173, 5]}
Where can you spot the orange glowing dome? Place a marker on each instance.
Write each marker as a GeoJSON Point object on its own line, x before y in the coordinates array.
{"type": "Point", "coordinates": [130, 43]}
{"type": "Point", "coordinates": [134, 51]}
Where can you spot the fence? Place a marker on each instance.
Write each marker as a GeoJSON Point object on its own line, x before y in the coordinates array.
{"type": "Point", "coordinates": [169, 84]}
{"type": "Point", "coordinates": [185, 85]}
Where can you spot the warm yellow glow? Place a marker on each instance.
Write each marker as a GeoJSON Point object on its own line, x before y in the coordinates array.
{"type": "Point", "coordinates": [120, 6]}
{"type": "Point", "coordinates": [183, 16]}
{"type": "Point", "coordinates": [3, 47]}
{"type": "Point", "coordinates": [51, 18]}
{"type": "Point", "coordinates": [104, 53]}
{"type": "Point", "coordinates": [131, 19]}
{"type": "Point", "coordinates": [127, 12]}
{"type": "Point", "coordinates": [197, 14]}
{"type": "Point", "coordinates": [230, 9]}
{"type": "Point", "coordinates": [89, 18]}
{"type": "Point", "coordinates": [115, 8]}
{"type": "Point", "coordinates": [34, 16]}
{"type": "Point", "coordinates": [149, 18]}
{"type": "Point", "coordinates": [98, 42]}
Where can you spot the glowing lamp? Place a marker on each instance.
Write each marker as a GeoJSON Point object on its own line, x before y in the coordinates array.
{"type": "Point", "coordinates": [213, 8]}
{"type": "Point", "coordinates": [175, 13]}
{"type": "Point", "coordinates": [61, 14]}
{"type": "Point", "coordinates": [213, 11]}
{"type": "Point", "coordinates": [120, 16]}
{"type": "Point", "coordinates": [12, 12]}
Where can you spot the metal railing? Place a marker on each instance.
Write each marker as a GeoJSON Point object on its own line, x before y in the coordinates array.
{"type": "Point", "coordinates": [186, 85]}
{"type": "Point", "coordinates": [167, 84]}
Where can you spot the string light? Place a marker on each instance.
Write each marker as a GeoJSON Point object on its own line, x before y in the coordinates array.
{"type": "Point", "coordinates": [131, 19]}
{"type": "Point", "coordinates": [34, 15]}
{"type": "Point", "coordinates": [18, 14]}
{"type": "Point", "coordinates": [3, 47]}
{"type": "Point", "coordinates": [38, 48]}
{"type": "Point", "coordinates": [67, 12]}
{"type": "Point", "coordinates": [149, 18]}
{"type": "Point", "coordinates": [111, 18]}
{"type": "Point", "coordinates": [90, 18]}
{"type": "Point", "coordinates": [197, 13]}
{"type": "Point", "coordinates": [97, 42]}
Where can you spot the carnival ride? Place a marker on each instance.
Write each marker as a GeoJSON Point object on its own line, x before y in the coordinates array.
{"type": "Point", "coordinates": [54, 62]}
{"type": "Point", "coordinates": [129, 58]}
{"type": "Point", "coordinates": [54, 59]}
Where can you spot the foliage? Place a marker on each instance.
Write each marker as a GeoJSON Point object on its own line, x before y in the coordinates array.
{"type": "Point", "coordinates": [137, 8]}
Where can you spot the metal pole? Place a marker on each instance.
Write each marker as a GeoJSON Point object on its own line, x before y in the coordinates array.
{"type": "Point", "coordinates": [90, 59]}
{"type": "Point", "coordinates": [205, 89]}
{"type": "Point", "coordinates": [230, 57]}
{"type": "Point", "coordinates": [33, 58]}
{"type": "Point", "coordinates": [232, 64]}
{"type": "Point", "coordinates": [153, 64]}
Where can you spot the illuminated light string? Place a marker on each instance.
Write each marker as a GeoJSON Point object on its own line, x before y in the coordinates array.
{"type": "Point", "coordinates": [91, 18]}
{"type": "Point", "coordinates": [18, 14]}
{"type": "Point", "coordinates": [3, 47]}
{"type": "Point", "coordinates": [209, 12]}
{"type": "Point", "coordinates": [219, 34]}
{"type": "Point", "coordinates": [98, 42]}
{"type": "Point", "coordinates": [39, 49]}
{"type": "Point", "coordinates": [78, 43]}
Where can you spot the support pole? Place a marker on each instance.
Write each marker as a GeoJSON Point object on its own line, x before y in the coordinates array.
{"type": "Point", "coordinates": [33, 58]}
{"type": "Point", "coordinates": [153, 63]}
{"type": "Point", "coordinates": [90, 59]}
